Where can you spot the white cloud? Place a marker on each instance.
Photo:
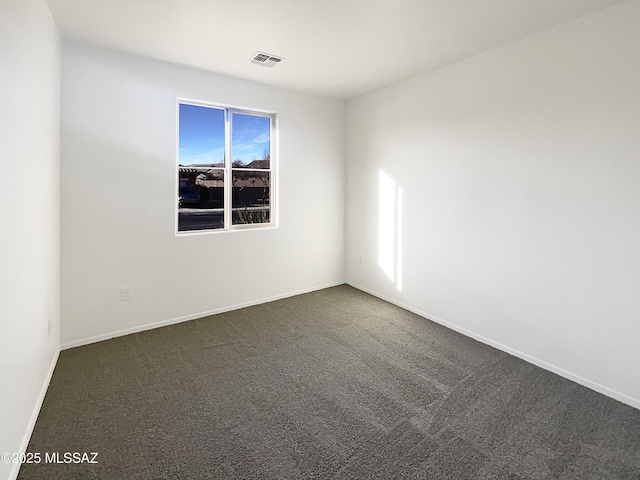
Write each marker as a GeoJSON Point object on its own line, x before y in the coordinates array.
{"type": "Point", "coordinates": [262, 138]}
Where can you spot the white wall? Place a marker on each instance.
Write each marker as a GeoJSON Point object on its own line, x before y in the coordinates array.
{"type": "Point", "coordinates": [520, 182]}
{"type": "Point", "coordinates": [118, 198]}
{"type": "Point", "coordinates": [29, 214]}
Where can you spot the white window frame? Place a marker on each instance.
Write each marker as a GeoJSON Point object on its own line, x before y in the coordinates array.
{"type": "Point", "coordinates": [228, 169]}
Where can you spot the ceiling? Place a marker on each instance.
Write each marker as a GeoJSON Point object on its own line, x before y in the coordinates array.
{"type": "Point", "coordinates": [336, 48]}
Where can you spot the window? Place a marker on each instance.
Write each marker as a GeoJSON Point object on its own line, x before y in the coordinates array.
{"type": "Point", "coordinates": [225, 168]}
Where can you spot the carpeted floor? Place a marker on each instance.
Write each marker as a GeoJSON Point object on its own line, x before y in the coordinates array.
{"type": "Point", "coordinates": [333, 384]}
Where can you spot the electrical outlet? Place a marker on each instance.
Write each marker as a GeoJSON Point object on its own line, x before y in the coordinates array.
{"type": "Point", "coordinates": [125, 294]}
{"type": "Point", "coordinates": [359, 261]}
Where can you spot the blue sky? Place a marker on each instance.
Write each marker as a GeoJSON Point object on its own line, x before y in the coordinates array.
{"type": "Point", "coordinates": [202, 136]}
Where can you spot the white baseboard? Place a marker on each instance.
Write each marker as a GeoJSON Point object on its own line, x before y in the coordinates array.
{"type": "Point", "coordinates": [185, 318]}
{"type": "Point", "coordinates": [34, 414]}
{"type": "Point", "coordinates": [621, 397]}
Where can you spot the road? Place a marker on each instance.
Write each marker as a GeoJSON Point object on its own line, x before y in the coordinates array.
{"type": "Point", "coordinates": [200, 219]}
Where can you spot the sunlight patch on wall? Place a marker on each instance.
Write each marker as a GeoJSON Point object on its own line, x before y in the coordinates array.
{"type": "Point", "coordinates": [386, 225]}
{"type": "Point", "coordinates": [390, 229]}
{"type": "Point", "coordinates": [399, 241]}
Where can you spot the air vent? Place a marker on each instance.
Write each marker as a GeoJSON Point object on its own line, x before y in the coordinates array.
{"type": "Point", "coordinates": [265, 59]}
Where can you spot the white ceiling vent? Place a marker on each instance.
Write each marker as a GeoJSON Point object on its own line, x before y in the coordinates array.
{"type": "Point", "coordinates": [265, 59]}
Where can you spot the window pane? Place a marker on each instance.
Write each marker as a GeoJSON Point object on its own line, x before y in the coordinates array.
{"type": "Point", "coordinates": [201, 136]}
{"type": "Point", "coordinates": [224, 168]}
{"type": "Point", "coordinates": [251, 197]}
{"type": "Point", "coordinates": [201, 199]}
{"type": "Point", "coordinates": [250, 141]}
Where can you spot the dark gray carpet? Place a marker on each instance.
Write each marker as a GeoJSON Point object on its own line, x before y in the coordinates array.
{"type": "Point", "coordinates": [332, 384]}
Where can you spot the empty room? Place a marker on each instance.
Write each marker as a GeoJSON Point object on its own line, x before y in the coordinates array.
{"type": "Point", "coordinates": [320, 239]}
